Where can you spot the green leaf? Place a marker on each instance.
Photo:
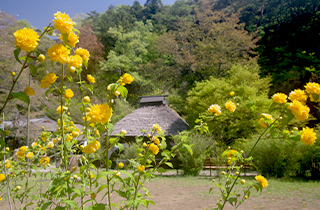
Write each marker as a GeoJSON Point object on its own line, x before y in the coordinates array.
{"type": "Point", "coordinates": [287, 117]}
{"type": "Point", "coordinates": [22, 96]}
{"type": "Point", "coordinates": [161, 170]}
{"type": "Point", "coordinates": [33, 70]}
{"type": "Point", "coordinates": [90, 87]}
{"type": "Point", "coordinates": [70, 78]}
{"type": "Point", "coordinates": [16, 53]}
{"type": "Point", "coordinates": [48, 91]}
{"type": "Point", "coordinates": [123, 91]}
{"type": "Point", "coordinates": [188, 147]}
{"type": "Point", "coordinates": [71, 203]}
{"type": "Point", "coordinates": [65, 38]}
{"type": "Point", "coordinates": [315, 97]}
{"type": "Point", "coordinates": [233, 200]}
{"type": "Point", "coordinates": [46, 205]}
{"type": "Point", "coordinates": [97, 206]}
{"type": "Point", "coordinates": [169, 164]}
{"type": "Point", "coordinates": [2, 143]}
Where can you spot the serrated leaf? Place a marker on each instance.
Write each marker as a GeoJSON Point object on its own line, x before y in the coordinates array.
{"type": "Point", "coordinates": [33, 70]}
{"type": "Point", "coordinates": [16, 53]}
{"type": "Point", "coordinates": [161, 170]}
{"type": "Point", "coordinates": [169, 164]}
{"type": "Point", "coordinates": [21, 95]}
{"type": "Point", "coordinates": [315, 97]}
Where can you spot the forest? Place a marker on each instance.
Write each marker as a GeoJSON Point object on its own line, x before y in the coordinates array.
{"type": "Point", "coordinates": [196, 51]}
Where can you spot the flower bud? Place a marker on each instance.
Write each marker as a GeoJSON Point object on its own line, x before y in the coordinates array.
{"type": "Point", "coordinates": [41, 58]}
{"type": "Point", "coordinates": [13, 74]}
{"type": "Point", "coordinates": [86, 99]}
{"type": "Point", "coordinates": [243, 181]}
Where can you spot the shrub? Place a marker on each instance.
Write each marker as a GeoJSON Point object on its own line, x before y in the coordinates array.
{"type": "Point", "coordinates": [201, 147]}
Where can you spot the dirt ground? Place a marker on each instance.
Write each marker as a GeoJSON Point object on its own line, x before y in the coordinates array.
{"type": "Point", "coordinates": [176, 194]}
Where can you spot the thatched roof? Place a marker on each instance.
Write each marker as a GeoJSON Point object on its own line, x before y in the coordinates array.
{"type": "Point", "coordinates": [151, 110]}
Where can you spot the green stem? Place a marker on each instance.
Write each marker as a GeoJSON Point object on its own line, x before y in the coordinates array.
{"type": "Point", "coordinates": [229, 191]}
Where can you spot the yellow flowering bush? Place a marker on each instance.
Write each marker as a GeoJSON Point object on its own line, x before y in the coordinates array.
{"type": "Point", "coordinates": [91, 78]}
{"type": "Point", "coordinates": [83, 53]}
{"type": "Point", "coordinates": [263, 181]}
{"type": "Point", "coordinates": [75, 61]}
{"type": "Point", "coordinates": [68, 94]}
{"type": "Point", "coordinates": [279, 98]}
{"type": "Point", "coordinates": [215, 108]}
{"type": "Point", "coordinates": [63, 23]}
{"type": "Point", "coordinates": [100, 113]}
{"type": "Point", "coordinates": [230, 106]}
{"type": "Point", "coordinates": [308, 136]}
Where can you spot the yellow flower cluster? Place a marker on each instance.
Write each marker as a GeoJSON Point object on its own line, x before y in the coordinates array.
{"type": "Point", "coordinates": [48, 80]}
{"type": "Point", "coordinates": [26, 39]}
{"type": "Point", "coordinates": [100, 113]}
{"type": "Point", "coordinates": [230, 106]}
{"type": "Point", "coordinates": [300, 111]}
{"type": "Point", "coordinates": [157, 127]}
{"type": "Point", "coordinates": [124, 132]}
{"type": "Point", "coordinates": [280, 98]}
{"type": "Point", "coordinates": [313, 88]}
{"type": "Point", "coordinates": [44, 161]}
{"type": "Point", "coordinates": [263, 181]}
{"type": "Point", "coordinates": [68, 94]}
{"type": "Point", "coordinates": [153, 148]}
{"type": "Point", "coordinates": [215, 108]}
{"type": "Point", "coordinates": [91, 147]}
{"type": "Point", "coordinates": [30, 155]}
{"type": "Point", "coordinates": [59, 53]}
{"type": "Point", "coordinates": [156, 140]}
{"type": "Point", "coordinates": [308, 136]}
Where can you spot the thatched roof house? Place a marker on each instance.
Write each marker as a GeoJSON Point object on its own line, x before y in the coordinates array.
{"type": "Point", "coordinates": [152, 110]}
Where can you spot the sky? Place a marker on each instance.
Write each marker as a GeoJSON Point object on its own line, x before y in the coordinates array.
{"type": "Point", "coordinates": [39, 13]}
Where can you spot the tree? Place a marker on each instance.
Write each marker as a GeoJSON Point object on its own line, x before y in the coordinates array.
{"type": "Point", "coordinates": [250, 98]}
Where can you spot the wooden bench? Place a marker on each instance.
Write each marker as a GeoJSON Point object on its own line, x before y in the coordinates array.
{"type": "Point", "coordinates": [212, 164]}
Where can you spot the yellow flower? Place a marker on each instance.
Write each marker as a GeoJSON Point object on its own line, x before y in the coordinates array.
{"type": "Point", "coordinates": [215, 108]}
{"type": "Point", "coordinates": [50, 144]}
{"type": "Point", "coordinates": [30, 155]}
{"type": "Point", "coordinates": [141, 168]}
{"type": "Point", "coordinates": [313, 88]}
{"type": "Point", "coordinates": [232, 93]}
{"type": "Point", "coordinates": [263, 118]}
{"type": "Point", "coordinates": [34, 144]}
{"type": "Point", "coordinates": [41, 57]}
{"type": "Point", "coordinates": [153, 148]}
{"type": "Point", "coordinates": [75, 61]}
{"type": "Point", "coordinates": [63, 23]}
{"type": "Point", "coordinates": [156, 140]}
{"type": "Point", "coordinates": [48, 80]}
{"type": "Point", "coordinates": [120, 165]}
{"type": "Point", "coordinates": [44, 161]}
{"type": "Point", "coordinates": [124, 132]}
{"type": "Point", "coordinates": [91, 147]}
{"type": "Point", "coordinates": [20, 154]}
{"type": "Point", "coordinates": [69, 138]}
{"type": "Point", "coordinates": [97, 133]}
{"type": "Point", "coordinates": [91, 78]}
{"type": "Point", "coordinates": [91, 176]}
{"type": "Point", "coordinates": [73, 39]}
{"type": "Point", "coordinates": [29, 91]}
{"type": "Point", "coordinates": [23, 148]}
{"type": "Point", "coordinates": [300, 111]}
{"type": "Point", "coordinates": [75, 133]}
{"type": "Point", "coordinates": [308, 136]}
{"type": "Point", "coordinates": [157, 127]}
{"type": "Point", "coordinates": [68, 94]}
{"type": "Point", "coordinates": [83, 53]}
{"type": "Point", "coordinates": [86, 99]}
{"type": "Point", "coordinates": [0, 198]}
{"type": "Point", "coordinates": [126, 79]}
{"type": "Point", "coordinates": [263, 181]}
{"type": "Point", "coordinates": [232, 153]}
{"type": "Point", "coordinates": [58, 53]}
{"type": "Point", "coordinates": [100, 113]}
{"type": "Point", "coordinates": [7, 165]}
{"type": "Point", "coordinates": [279, 98]}
{"type": "Point", "coordinates": [299, 95]}
{"type": "Point", "coordinates": [2, 177]}
{"type": "Point", "coordinates": [26, 38]}
{"type": "Point", "coordinates": [72, 69]}
{"type": "Point", "coordinates": [59, 109]}
{"type": "Point", "coordinates": [230, 106]}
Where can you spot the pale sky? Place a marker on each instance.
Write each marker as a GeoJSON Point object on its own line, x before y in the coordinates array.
{"type": "Point", "coordinates": [40, 13]}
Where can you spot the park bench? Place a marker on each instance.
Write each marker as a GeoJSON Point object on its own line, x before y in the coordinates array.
{"type": "Point", "coordinates": [214, 164]}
